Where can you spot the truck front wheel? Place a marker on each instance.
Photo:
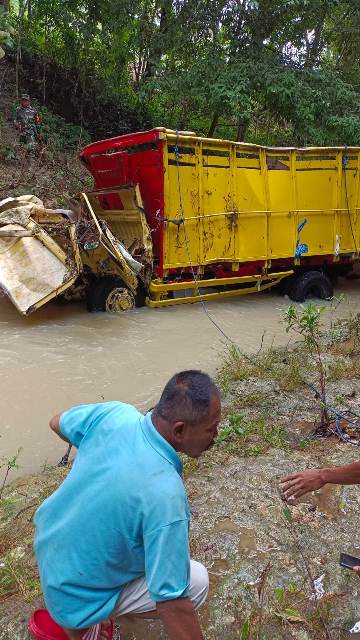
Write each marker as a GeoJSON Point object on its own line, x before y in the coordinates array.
{"type": "Point", "coordinates": [311, 284]}
{"type": "Point", "coordinates": [109, 294]}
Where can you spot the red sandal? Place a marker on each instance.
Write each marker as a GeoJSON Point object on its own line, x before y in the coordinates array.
{"type": "Point", "coordinates": [43, 627]}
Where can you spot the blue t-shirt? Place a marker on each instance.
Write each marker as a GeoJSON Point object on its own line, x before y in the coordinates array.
{"type": "Point", "coordinates": [121, 513]}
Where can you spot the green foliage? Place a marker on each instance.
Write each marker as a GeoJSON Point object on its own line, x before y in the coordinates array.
{"type": "Point", "coordinates": [59, 134]}
{"type": "Point", "coordinates": [236, 427]}
{"type": "Point", "coordinates": [8, 464]}
{"type": "Point", "coordinates": [275, 72]}
{"type": "Point", "coordinates": [18, 575]}
{"type": "Point", "coordinates": [7, 152]}
{"type": "Point", "coordinates": [279, 364]}
{"type": "Point", "coordinates": [250, 438]}
{"type": "Point", "coordinates": [7, 33]}
{"type": "Point", "coordinates": [279, 593]}
{"type": "Point", "coordinates": [307, 322]}
{"type": "Point", "coordinates": [287, 514]}
{"type": "Point", "coordinates": [235, 367]}
{"type": "Point", "coordinates": [289, 615]}
{"type": "Point", "coordinates": [245, 630]}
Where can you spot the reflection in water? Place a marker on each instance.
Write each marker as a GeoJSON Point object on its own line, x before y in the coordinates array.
{"type": "Point", "coordinates": [62, 356]}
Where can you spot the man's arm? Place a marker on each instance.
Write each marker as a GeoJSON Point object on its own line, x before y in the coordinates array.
{"type": "Point", "coordinates": [55, 426]}
{"type": "Point", "coordinates": [296, 485]}
{"type": "Point", "coordinates": [180, 619]}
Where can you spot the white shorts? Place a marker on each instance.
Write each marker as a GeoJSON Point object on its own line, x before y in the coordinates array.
{"type": "Point", "coordinates": [135, 597]}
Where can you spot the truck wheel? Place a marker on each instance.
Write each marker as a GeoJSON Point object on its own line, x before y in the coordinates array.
{"type": "Point", "coordinates": [284, 285]}
{"type": "Point", "coordinates": [109, 294]}
{"type": "Point", "coordinates": [311, 284]}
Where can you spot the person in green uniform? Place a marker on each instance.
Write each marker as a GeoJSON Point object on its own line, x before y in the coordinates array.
{"type": "Point", "coordinates": [27, 122]}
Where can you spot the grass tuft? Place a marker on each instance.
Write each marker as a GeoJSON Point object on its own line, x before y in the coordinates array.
{"type": "Point", "coordinates": [250, 438]}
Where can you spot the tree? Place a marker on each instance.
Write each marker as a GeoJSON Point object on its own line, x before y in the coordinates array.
{"type": "Point", "coordinates": [270, 71]}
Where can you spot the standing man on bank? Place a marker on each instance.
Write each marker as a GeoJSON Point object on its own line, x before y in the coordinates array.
{"type": "Point", "coordinates": [27, 122]}
{"type": "Point", "coordinates": [113, 539]}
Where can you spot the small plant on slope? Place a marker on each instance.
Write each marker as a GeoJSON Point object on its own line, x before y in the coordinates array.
{"type": "Point", "coordinates": [306, 321]}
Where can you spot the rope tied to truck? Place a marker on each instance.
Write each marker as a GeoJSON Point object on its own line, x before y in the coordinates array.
{"type": "Point", "coordinates": [187, 245]}
{"type": "Point", "coordinates": [345, 162]}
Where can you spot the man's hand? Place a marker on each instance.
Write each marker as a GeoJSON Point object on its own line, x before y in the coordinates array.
{"type": "Point", "coordinates": [357, 570]}
{"type": "Point", "coordinates": [297, 484]}
{"type": "Point", "coordinates": [180, 619]}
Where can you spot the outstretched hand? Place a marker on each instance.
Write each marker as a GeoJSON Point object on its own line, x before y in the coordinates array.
{"type": "Point", "coordinates": [357, 570]}
{"type": "Point", "coordinates": [296, 485]}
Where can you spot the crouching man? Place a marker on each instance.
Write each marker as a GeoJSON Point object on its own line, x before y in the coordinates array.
{"type": "Point", "coordinates": [113, 539]}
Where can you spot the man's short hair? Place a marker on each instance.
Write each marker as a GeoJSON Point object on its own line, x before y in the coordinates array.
{"type": "Point", "coordinates": [186, 397]}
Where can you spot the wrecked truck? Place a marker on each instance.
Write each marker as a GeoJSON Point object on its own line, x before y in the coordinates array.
{"type": "Point", "coordinates": [46, 253]}
{"type": "Point", "coordinates": [175, 217]}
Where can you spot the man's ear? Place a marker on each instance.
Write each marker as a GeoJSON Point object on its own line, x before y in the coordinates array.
{"type": "Point", "coordinates": [178, 431]}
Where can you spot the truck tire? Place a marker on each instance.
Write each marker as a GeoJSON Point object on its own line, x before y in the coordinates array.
{"type": "Point", "coordinates": [311, 284]}
{"type": "Point", "coordinates": [284, 285]}
{"type": "Point", "coordinates": [109, 294]}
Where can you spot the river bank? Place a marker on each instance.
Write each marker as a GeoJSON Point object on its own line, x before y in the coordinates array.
{"type": "Point", "coordinates": [262, 559]}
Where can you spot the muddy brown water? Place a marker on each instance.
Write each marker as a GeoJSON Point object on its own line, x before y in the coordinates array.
{"type": "Point", "coordinates": [62, 356]}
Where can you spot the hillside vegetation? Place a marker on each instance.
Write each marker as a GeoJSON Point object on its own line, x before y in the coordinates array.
{"type": "Point", "coordinates": [267, 71]}
{"type": "Point", "coordinates": [54, 173]}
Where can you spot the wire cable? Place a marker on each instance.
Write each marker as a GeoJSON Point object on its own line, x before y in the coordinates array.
{"type": "Point", "coordinates": [187, 245]}
{"type": "Point", "coordinates": [344, 165]}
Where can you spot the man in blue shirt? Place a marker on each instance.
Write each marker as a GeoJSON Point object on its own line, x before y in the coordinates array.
{"type": "Point", "coordinates": [113, 539]}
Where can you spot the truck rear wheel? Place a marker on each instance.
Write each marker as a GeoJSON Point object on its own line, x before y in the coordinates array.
{"type": "Point", "coordinates": [284, 286]}
{"type": "Point", "coordinates": [311, 284]}
{"type": "Point", "coordinates": [109, 294]}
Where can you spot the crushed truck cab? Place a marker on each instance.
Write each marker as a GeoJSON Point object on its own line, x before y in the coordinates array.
{"type": "Point", "coordinates": [74, 253]}
{"type": "Point", "coordinates": [35, 264]}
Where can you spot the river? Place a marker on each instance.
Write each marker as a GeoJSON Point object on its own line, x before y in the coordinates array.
{"type": "Point", "coordinates": [62, 356]}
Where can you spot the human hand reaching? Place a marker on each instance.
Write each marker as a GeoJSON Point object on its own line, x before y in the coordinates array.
{"type": "Point", "coordinates": [296, 485]}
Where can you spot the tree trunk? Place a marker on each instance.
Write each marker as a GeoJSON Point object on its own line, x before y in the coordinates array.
{"type": "Point", "coordinates": [29, 12]}
{"type": "Point", "coordinates": [157, 45]}
{"type": "Point", "coordinates": [22, 8]}
{"type": "Point", "coordinates": [241, 130]}
{"type": "Point", "coordinates": [214, 124]}
{"type": "Point", "coordinates": [313, 49]}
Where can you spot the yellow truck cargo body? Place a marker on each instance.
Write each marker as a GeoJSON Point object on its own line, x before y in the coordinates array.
{"type": "Point", "coordinates": [246, 203]}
